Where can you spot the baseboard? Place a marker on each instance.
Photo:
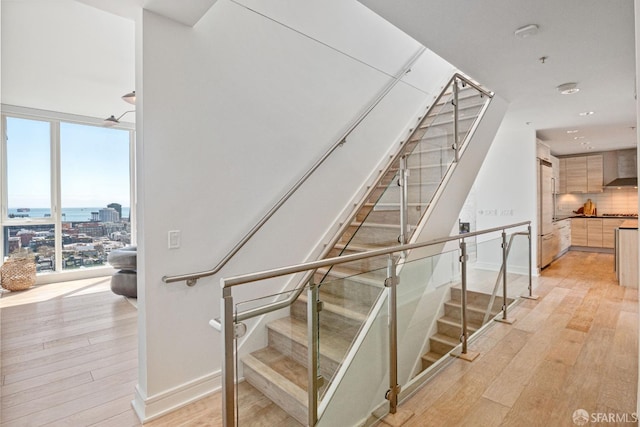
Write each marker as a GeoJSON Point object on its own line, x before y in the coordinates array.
{"type": "Point", "coordinates": [150, 408]}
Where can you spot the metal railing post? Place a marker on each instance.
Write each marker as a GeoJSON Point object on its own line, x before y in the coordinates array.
{"type": "Point", "coordinates": [404, 209]}
{"type": "Point", "coordinates": [228, 365]}
{"type": "Point", "coordinates": [313, 335]}
{"type": "Point", "coordinates": [530, 296]}
{"type": "Point", "coordinates": [394, 388]}
{"type": "Point", "coordinates": [455, 120]}
{"type": "Point", "coordinates": [463, 303]}
{"type": "Point", "coordinates": [504, 275]}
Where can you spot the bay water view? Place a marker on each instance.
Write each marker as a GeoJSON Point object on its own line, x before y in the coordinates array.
{"type": "Point", "coordinates": [68, 214]}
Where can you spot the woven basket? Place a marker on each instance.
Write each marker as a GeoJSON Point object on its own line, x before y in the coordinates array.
{"type": "Point", "coordinates": [18, 274]}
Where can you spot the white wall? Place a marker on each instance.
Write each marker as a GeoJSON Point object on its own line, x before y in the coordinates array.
{"type": "Point", "coordinates": [235, 110]}
{"type": "Point", "coordinates": [505, 191]}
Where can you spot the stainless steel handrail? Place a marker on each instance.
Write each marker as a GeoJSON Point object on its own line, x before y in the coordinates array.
{"type": "Point", "coordinates": [313, 265]}
{"type": "Point", "coordinates": [295, 293]}
{"type": "Point", "coordinates": [230, 319]}
{"type": "Point", "coordinates": [492, 299]}
{"type": "Point", "coordinates": [192, 278]}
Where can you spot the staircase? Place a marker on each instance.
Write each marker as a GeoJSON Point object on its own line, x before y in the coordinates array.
{"type": "Point", "coordinates": [450, 325]}
{"type": "Point", "coordinates": [349, 291]}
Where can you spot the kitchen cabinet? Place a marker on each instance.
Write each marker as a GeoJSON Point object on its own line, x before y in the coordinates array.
{"type": "Point", "coordinates": [548, 249]}
{"type": "Point", "coordinates": [595, 173]}
{"type": "Point", "coordinates": [627, 256]}
{"type": "Point", "coordinates": [594, 232]}
{"type": "Point", "coordinates": [562, 176]}
{"type": "Point", "coordinates": [555, 168]}
{"type": "Point", "coordinates": [576, 174]}
{"type": "Point", "coordinates": [579, 232]}
{"type": "Point", "coordinates": [563, 232]}
{"type": "Point", "coordinates": [543, 152]}
{"type": "Point", "coordinates": [581, 174]}
{"type": "Point", "coordinates": [609, 226]}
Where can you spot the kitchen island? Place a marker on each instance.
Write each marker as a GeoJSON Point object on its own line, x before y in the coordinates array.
{"type": "Point", "coordinates": [627, 254]}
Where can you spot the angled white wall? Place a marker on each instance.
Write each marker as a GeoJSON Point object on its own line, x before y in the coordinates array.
{"type": "Point", "coordinates": [231, 113]}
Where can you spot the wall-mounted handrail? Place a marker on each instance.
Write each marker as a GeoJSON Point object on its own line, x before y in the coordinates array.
{"type": "Point", "coordinates": [192, 278]}
{"type": "Point", "coordinates": [295, 293]}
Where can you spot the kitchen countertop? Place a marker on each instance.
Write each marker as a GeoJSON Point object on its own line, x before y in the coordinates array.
{"type": "Point", "coordinates": [563, 217]}
{"type": "Point", "coordinates": [630, 224]}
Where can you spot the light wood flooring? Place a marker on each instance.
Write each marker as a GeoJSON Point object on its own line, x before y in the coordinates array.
{"type": "Point", "coordinates": [69, 357]}
{"type": "Point", "coordinates": [574, 348]}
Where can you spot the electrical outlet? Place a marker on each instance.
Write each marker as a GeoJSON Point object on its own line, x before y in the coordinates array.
{"type": "Point", "coordinates": [174, 239]}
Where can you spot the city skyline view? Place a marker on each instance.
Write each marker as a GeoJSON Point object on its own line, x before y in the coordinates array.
{"type": "Point", "coordinates": [94, 165]}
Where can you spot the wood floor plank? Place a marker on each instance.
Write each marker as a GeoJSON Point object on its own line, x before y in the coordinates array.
{"type": "Point", "coordinates": [575, 347]}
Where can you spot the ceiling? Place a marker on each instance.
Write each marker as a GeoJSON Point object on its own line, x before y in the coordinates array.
{"type": "Point", "coordinates": [589, 42]}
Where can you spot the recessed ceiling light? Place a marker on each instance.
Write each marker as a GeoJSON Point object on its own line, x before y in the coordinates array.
{"type": "Point", "coordinates": [568, 88]}
{"type": "Point", "coordinates": [573, 131]}
{"type": "Point", "coordinates": [586, 113]}
{"type": "Point", "coordinates": [526, 31]}
{"type": "Point", "coordinates": [578, 137]}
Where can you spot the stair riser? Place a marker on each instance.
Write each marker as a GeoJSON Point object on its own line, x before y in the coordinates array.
{"type": "Point", "coordinates": [474, 317]}
{"type": "Point", "coordinates": [453, 331]}
{"type": "Point", "coordinates": [329, 320]}
{"type": "Point", "coordinates": [298, 352]}
{"type": "Point", "coordinates": [421, 193]}
{"type": "Point", "coordinates": [439, 347]}
{"type": "Point", "coordinates": [478, 299]}
{"type": "Point", "coordinates": [373, 235]}
{"type": "Point", "coordinates": [352, 290]}
{"type": "Point", "coordinates": [277, 395]}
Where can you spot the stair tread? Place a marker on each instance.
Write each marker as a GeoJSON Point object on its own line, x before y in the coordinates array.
{"type": "Point", "coordinates": [445, 339]}
{"type": "Point", "coordinates": [431, 356]}
{"type": "Point", "coordinates": [368, 278]}
{"type": "Point", "coordinates": [280, 371]}
{"type": "Point", "coordinates": [332, 346]}
{"type": "Point", "coordinates": [359, 247]}
{"type": "Point", "coordinates": [355, 310]}
{"type": "Point", "coordinates": [455, 322]}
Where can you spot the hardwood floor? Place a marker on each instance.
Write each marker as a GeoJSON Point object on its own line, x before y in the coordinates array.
{"type": "Point", "coordinates": [69, 358]}
{"type": "Point", "coordinates": [574, 348]}
{"type": "Point", "coordinates": [69, 355]}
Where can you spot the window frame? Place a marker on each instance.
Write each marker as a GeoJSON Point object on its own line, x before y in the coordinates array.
{"type": "Point", "coordinates": [55, 119]}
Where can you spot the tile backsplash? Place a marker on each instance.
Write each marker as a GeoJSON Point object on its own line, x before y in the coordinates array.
{"type": "Point", "coordinates": [611, 201]}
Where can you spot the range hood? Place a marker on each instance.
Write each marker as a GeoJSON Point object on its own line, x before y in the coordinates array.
{"type": "Point", "coordinates": [623, 169]}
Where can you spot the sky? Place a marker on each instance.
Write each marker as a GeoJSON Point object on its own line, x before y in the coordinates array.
{"type": "Point", "coordinates": [94, 163]}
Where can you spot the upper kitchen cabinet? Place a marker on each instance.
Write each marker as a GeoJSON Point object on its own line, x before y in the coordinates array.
{"type": "Point", "coordinates": [562, 176]}
{"type": "Point", "coordinates": [543, 151]}
{"type": "Point", "coordinates": [576, 174]}
{"type": "Point", "coordinates": [595, 173]}
{"type": "Point", "coordinates": [582, 174]}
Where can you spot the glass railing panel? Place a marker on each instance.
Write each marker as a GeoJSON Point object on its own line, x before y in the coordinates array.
{"type": "Point", "coordinates": [485, 278]}
{"type": "Point", "coordinates": [348, 294]}
{"type": "Point", "coordinates": [284, 356]}
{"type": "Point", "coordinates": [360, 388]}
{"type": "Point", "coordinates": [423, 291]}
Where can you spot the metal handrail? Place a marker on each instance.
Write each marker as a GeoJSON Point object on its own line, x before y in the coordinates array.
{"type": "Point", "coordinates": [192, 278]}
{"type": "Point", "coordinates": [296, 292]}
{"type": "Point", "coordinates": [314, 265]}
{"type": "Point", "coordinates": [487, 313]}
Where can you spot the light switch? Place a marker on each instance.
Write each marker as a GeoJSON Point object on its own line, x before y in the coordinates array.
{"type": "Point", "coordinates": [174, 239]}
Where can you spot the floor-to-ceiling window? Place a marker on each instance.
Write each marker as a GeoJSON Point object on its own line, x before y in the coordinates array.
{"type": "Point", "coordinates": [66, 190]}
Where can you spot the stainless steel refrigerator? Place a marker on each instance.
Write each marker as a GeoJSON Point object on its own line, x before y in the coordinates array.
{"type": "Point", "coordinates": [546, 211]}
